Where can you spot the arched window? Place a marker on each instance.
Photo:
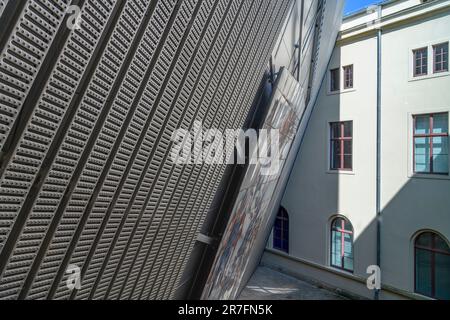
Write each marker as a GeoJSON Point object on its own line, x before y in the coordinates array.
{"type": "Point", "coordinates": [342, 244]}
{"type": "Point", "coordinates": [432, 275]}
{"type": "Point", "coordinates": [281, 231]}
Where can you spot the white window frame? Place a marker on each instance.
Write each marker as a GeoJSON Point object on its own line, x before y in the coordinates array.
{"type": "Point", "coordinates": [431, 74]}
{"type": "Point", "coordinates": [411, 172]}
{"type": "Point", "coordinates": [341, 79]}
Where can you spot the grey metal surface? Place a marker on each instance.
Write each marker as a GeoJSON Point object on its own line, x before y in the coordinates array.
{"type": "Point", "coordinates": [3, 4]}
{"type": "Point", "coordinates": [85, 137]}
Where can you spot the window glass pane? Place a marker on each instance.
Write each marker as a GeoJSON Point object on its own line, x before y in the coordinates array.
{"type": "Point", "coordinates": [348, 245]}
{"type": "Point", "coordinates": [442, 277]}
{"type": "Point", "coordinates": [418, 71]}
{"type": "Point", "coordinates": [277, 243]}
{"type": "Point", "coordinates": [342, 231]}
{"type": "Point", "coordinates": [348, 164]}
{"type": "Point", "coordinates": [348, 147]}
{"type": "Point", "coordinates": [441, 57]}
{"type": "Point", "coordinates": [348, 251]}
{"type": "Point", "coordinates": [277, 233]}
{"type": "Point", "coordinates": [423, 272]}
{"type": "Point", "coordinates": [281, 232]}
{"type": "Point", "coordinates": [335, 80]}
{"type": "Point", "coordinates": [348, 72]}
{"type": "Point", "coordinates": [440, 244]}
{"type": "Point", "coordinates": [421, 61]}
{"type": "Point", "coordinates": [440, 154]}
{"type": "Point", "coordinates": [422, 155]}
{"type": "Point", "coordinates": [335, 130]}
{"type": "Point", "coordinates": [422, 124]}
{"type": "Point", "coordinates": [425, 240]}
{"type": "Point", "coordinates": [336, 155]}
{"type": "Point", "coordinates": [336, 256]}
{"type": "Point", "coordinates": [348, 264]}
{"type": "Point", "coordinates": [348, 226]}
{"type": "Point", "coordinates": [337, 224]}
{"type": "Point", "coordinates": [440, 123]}
{"type": "Point", "coordinates": [285, 246]}
{"type": "Point", "coordinates": [348, 129]}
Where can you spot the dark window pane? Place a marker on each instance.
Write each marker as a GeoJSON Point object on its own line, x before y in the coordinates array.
{"type": "Point", "coordinates": [423, 272]}
{"type": "Point", "coordinates": [348, 162]}
{"type": "Point", "coordinates": [432, 266]}
{"type": "Point", "coordinates": [348, 74]}
{"type": "Point", "coordinates": [442, 276]}
{"type": "Point", "coordinates": [348, 147]}
{"type": "Point", "coordinates": [335, 80]}
{"type": "Point", "coordinates": [440, 155]}
{"type": "Point", "coordinates": [425, 240]}
{"type": "Point", "coordinates": [440, 123]}
{"type": "Point", "coordinates": [336, 155]}
{"type": "Point", "coordinates": [348, 264]}
{"type": "Point", "coordinates": [420, 61]}
{"type": "Point", "coordinates": [441, 57]}
{"type": "Point", "coordinates": [281, 231]}
{"type": "Point", "coordinates": [337, 224]}
{"type": "Point", "coordinates": [348, 226]}
{"type": "Point", "coordinates": [348, 129]}
{"type": "Point", "coordinates": [422, 124]}
{"type": "Point", "coordinates": [277, 233]}
{"type": "Point", "coordinates": [441, 244]}
{"type": "Point", "coordinates": [276, 243]}
{"type": "Point", "coordinates": [335, 130]}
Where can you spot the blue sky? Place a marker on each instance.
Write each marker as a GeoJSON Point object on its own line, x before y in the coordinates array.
{"type": "Point", "coordinates": [354, 5]}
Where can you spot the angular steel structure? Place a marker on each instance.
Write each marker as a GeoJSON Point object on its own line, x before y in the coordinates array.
{"type": "Point", "coordinates": [91, 207]}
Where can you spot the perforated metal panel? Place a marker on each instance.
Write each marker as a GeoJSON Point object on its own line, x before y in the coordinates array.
{"type": "Point", "coordinates": [20, 61]}
{"type": "Point", "coordinates": [86, 178]}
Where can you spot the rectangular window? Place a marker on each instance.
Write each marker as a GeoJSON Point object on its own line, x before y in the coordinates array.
{"type": "Point", "coordinates": [342, 146]}
{"type": "Point", "coordinates": [440, 52]}
{"type": "Point", "coordinates": [431, 143]}
{"type": "Point", "coordinates": [420, 62]}
{"type": "Point", "coordinates": [335, 80]}
{"type": "Point", "coordinates": [348, 77]}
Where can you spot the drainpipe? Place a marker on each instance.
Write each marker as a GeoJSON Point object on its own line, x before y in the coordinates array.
{"type": "Point", "coordinates": [378, 196]}
{"type": "Point", "coordinates": [300, 41]}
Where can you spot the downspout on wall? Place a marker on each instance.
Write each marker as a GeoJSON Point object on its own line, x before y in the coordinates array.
{"type": "Point", "coordinates": [378, 187]}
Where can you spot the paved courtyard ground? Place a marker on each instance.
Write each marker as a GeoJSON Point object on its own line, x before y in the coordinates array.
{"type": "Point", "coordinates": [269, 284]}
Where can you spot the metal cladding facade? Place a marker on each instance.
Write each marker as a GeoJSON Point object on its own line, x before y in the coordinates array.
{"type": "Point", "coordinates": [86, 120]}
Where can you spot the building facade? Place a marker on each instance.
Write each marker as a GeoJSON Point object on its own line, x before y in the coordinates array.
{"type": "Point", "coordinates": [371, 182]}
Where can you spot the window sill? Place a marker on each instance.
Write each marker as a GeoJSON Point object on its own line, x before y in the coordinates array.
{"type": "Point", "coordinates": [334, 93]}
{"type": "Point", "coordinates": [429, 176]}
{"type": "Point", "coordinates": [341, 172]}
{"type": "Point", "coordinates": [341, 271]}
{"type": "Point", "coordinates": [430, 76]}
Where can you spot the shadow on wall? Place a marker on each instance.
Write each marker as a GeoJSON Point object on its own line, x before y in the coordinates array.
{"type": "Point", "coordinates": [316, 196]}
